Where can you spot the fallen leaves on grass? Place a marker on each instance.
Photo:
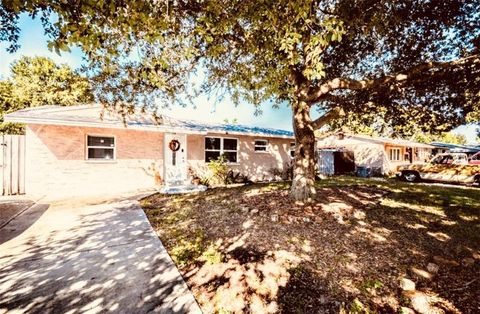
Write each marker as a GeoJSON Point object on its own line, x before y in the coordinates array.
{"type": "Point", "coordinates": [251, 249]}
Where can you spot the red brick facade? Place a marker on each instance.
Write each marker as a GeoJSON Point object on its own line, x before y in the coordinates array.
{"type": "Point", "coordinates": [56, 159]}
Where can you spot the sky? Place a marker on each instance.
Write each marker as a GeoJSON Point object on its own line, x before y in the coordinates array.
{"type": "Point", "coordinates": [33, 42]}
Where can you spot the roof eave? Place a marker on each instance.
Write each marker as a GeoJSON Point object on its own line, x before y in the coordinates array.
{"type": "Point", "coordinates": [104, 125]}
{"type": "Point", "coordinates": [110, 125]}
{"type": "Point", "coordinates": [213, 132]}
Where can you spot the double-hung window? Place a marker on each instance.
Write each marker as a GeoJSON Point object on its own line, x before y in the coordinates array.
{"type": "Point", "coordinates": [219, 146]}
{"type": "Point", "coordinates": [100, 147]}
{"type": "Point", "coordinates": [261, 145]}
{"type": "Point", "coordinates": [394, 154]}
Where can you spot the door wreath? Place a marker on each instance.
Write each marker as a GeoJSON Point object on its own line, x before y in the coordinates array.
{"type": "Point", "coordinates": [174, 145]}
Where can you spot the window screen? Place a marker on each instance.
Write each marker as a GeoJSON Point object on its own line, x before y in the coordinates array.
{"type": "Point", "coordinates": [100, 147]}
{"type": "Point", "coordinates": [292, 149]}
{"type": "Point", "coordinates": [217, 146]}
{"type": "Point", "coordinates": [261, 145]}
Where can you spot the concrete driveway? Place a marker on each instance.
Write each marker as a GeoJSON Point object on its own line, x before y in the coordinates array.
{"type": "Point", "coordinates": [10, 207]}
{"type": "Point", "coordinates": [80, 256]}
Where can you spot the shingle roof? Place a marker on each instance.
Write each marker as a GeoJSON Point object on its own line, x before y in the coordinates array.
{"type": "Point", "coordinates": [383, 140]}
{"type": "Point", "coordinates": [90, 115]}
{"type": "Point", "coordinates": [396, 141]}
{"type": "Point", "coordinates": [457, 147]}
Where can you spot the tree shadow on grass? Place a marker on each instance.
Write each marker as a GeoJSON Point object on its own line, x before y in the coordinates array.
{"type": "Point", "coordinates": [306, 292]}
{"type": "Point", "coordinates": [427, 227]}
{"type": "Point", "coordinates": [355, 243]}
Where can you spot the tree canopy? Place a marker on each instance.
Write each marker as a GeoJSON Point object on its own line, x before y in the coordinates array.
{"type": "Point", "coordinates": [407, 64]}
{"type": "Point", "coordinates": [39, 81]}
{"type": "Point", "coordinates": [410, 65]}
{"type": "Point", "coordinates": [446, 137]}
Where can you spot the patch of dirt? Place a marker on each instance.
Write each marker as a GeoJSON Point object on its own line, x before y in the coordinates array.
{"type": "Point", "coordinates": [251, 249]}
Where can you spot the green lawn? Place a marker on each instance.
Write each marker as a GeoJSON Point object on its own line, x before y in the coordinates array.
{"type": "Point", "coordinates": [251, 249]}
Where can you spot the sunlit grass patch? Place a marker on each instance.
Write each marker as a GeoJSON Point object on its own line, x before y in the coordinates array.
{"type": "Point", "coordinates": [393, 203]}
{"type": "Point", "coordinates": [212, 255]}
{"type": "Point", "coordinates": [186, 251]}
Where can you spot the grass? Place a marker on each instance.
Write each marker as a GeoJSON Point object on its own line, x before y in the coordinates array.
{"type": "Point", "coordinates": [251, 249]}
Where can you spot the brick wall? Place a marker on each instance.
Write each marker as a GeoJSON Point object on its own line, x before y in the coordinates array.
{"type": "Point", "coordinates": [56, 161]}
{"type": "Point", "coordinates": [257, 165]}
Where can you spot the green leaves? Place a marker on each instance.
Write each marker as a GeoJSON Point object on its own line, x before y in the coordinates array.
{"type": "Point", "coordinates": [147, 52]}
{"type": "Point", "coordinates": [290, 45]}
{"type": "Point", "coordinates": [331, 31]}
{"type": "Point", "coordinates": [39, 81]}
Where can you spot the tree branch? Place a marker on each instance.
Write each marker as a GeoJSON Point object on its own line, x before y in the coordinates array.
{"type": "Point", "coordinates": [329, 116]}
{"type": "Point", "coordinates": [318, 93]}
{"type": "Point", "coordinates": [332, 98]}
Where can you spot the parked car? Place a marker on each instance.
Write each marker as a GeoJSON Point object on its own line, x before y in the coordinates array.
{"type": "Point", "coordinates": [448, 167]}
{"type": "Point", "coordinates": [475, 159]}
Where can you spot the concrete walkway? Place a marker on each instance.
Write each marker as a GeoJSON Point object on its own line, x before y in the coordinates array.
{"type": "Point", "coordinates": [60, 257]}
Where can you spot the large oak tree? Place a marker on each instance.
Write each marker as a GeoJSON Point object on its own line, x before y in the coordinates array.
{"type": "Point", "coordinates": [39, 81]}
{"type": "Point", "coordinates": [409, 64]}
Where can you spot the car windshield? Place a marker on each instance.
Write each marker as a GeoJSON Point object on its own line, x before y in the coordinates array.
{"type": "Point", "coordinates": [443, 159]}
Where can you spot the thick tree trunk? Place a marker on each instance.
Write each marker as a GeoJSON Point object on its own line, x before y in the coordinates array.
{"type": "Point", "coordinates": [303, 188]}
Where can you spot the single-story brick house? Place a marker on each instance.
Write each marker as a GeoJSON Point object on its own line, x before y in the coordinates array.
{"type": "Point", "coordinates": [381, 154]}
{"type": "Point", "coordinates": [71, 150]}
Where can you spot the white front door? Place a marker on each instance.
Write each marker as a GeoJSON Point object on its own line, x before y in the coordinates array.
{"type": "Point", "coordinates": [175, 159]}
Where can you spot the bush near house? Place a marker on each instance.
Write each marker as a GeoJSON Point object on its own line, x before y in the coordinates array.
{"type": "Point", "coordinates": [363, 246]}
{"type": "Point", "coordinates": [217, 173]}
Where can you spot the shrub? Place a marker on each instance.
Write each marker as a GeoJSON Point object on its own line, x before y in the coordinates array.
{"type": "Point", "coordinates": [222, 174]}
{"type": "Point", "coordinates": [211, 256]}
{"type": "Point", "coordinates": [189, 249]}
{"type": "Point", "coordinates": [219, 169]}
{"type": "Point", "coordinates": [237, 177]}
{"type": "Point", "coordinates": [285, 174]}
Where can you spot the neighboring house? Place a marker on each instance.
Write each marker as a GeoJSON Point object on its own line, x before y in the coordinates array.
{"type": "Point", "coordinates": [455, 148]}
{"type": "Point", "coordinates": [73, 151]}
{"type": "Point", "coordinates": [382, 155]}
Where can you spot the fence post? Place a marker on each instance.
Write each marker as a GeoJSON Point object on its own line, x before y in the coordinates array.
{"type": "Point", "coordinates": [4, 191]}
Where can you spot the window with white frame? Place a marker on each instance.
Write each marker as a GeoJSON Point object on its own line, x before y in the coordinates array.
{"type": "Point", "coordinates": [394, 154]}
{"type": "Point", "coordinates": [100, 147]}
{"type": "Point", "coordinates": [219, 146]}
{"type": "Point", "coordinates": [261, 145]}
{"type": "Point", "coordinates": [292, 149]}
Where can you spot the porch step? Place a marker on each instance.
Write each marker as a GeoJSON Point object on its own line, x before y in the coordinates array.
{"type": "Point", "coordinates": [181, 189]}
